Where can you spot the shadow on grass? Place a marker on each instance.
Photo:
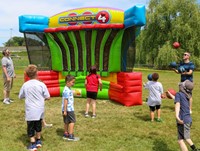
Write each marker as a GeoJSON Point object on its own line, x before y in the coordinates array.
{"type": "Point", "coordinates": [115, 103]}
{"type": "Point", "coordinates": [171, 108]}
{"type": "Point", "coordinates": [160, 145]}
{"type": "Point", "coordinates": [141, 116]}
{"type": "Point", "coordinates": [24, 139]}
{"type": "Point", "coordinates": [59, 131]}
{"type": "Point", "coordinates": [82, 112]}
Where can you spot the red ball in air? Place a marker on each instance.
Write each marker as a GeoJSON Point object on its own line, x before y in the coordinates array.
{"type": "Point", "coordinates": [176, 45]}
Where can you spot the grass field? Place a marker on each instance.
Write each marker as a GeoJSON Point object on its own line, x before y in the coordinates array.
{"type": "Point", "coordinates": [116, 128]}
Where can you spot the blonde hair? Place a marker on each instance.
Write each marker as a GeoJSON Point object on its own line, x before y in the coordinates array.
{"type": "Point", "coordinates": [31, 71]}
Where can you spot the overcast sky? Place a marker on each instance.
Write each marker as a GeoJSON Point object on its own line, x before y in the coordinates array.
{"type": "Point", "coordinates": [10, 10]}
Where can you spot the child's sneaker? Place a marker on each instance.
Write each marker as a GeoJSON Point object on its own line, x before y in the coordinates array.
{"type": "Point", "coordinates": [38, 143]}
{"type": "Point", "coordinates": [87, 115]}
{"type": "Point", "coordinates": [10, 101]}
{"type": "Point", "coordinates": [158, 120]}
{"type": "Point", "coordinates": [5, 101]}
{"type": "Point", "coordinates": [65, 135]}
{"type": "Point", "coordinates": [94, 116]}
{"type": "Point", "coordinates": [32, 147]}
{"type": "Point", "coordinates": [72, 138]}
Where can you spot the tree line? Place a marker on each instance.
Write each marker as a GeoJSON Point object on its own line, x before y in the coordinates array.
{"type": "Point", "coordinates": [168, 21]}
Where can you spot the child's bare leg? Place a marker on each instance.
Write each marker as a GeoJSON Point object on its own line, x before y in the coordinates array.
{"type": "Point", "coordinates": [152, 115]}
{"type": "Point", "coordinates": [88, 105]}
{"type": "Point", "coordinates": [38, 135]}
{"type": "Point", "coordinates": [158, 113]}
{"type": "Point", "coordinates": [94, 107]}
{"type": "Point", "coordinates": [182, 145]}
{"type": "Point", "coordinates": [32, 139]}
{"type": "Point", "coordinates": [71, 128]}
{"type": "Point", "coordinates": [66, 128]}
{"type": "Point", "coordinates": [189, 141]}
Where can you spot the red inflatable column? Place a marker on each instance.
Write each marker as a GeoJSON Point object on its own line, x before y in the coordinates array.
{"type": "Point", "coordinates": [128, 90]}
{"type": "Point", "coordinates": [132, 87]}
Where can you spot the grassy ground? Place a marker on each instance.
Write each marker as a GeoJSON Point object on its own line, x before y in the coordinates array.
{"type": "Point", "coordinates": [116, 128]}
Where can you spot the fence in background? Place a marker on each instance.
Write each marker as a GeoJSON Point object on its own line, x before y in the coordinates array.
{"type": "Point", "coordinates": [15, 49]}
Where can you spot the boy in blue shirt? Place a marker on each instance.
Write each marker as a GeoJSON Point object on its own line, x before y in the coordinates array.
{"type": "Point", "coordinates": [183, 117]}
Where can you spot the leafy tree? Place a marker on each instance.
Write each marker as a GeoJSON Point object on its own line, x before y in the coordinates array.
{"type": "Point", "coordinates": [15, 41]}
{"type": "Point", "coordinates": [169, 21]}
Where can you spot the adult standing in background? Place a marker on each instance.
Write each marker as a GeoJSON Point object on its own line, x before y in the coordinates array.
{"type": "Point", "coordinates": [187, 74]}
{"type": "Point", "coordinates": [8, 75]}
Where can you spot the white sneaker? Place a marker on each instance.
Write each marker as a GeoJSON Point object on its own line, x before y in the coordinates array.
{"type": "Point", "coordinates": [5, 101]}
{"type": "Point", "coordinates": [94, 116]}
{"type": "Point", "coordinates": [87, 115]}
{"type": "Point", "coordinates": [11, 101]}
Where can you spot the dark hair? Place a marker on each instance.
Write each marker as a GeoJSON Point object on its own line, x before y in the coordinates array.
{"type": "Point", "coordinates": [93, 69]}
{"type": "Point", "coordinates": [69, 78]}
{"type": "Point", "coordinates": [4, 51]}
{"type": "Point", "coordinates": [155, 76]}
{"type": "Point", "coordinates": [31, 71]}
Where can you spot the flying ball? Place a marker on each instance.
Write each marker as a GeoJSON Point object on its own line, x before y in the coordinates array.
{"type": "Point", "coordinates": [181, 69]}
{"type": "Point", "coordinates": [172, 91]}
{"type": "Point", "coordinates": [149, 77]}
{"type": "Point", "coordinates": [173, 65]}
{"type": "Point", "coordinates": [176, 45]}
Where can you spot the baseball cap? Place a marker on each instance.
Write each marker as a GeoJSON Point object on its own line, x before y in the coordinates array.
{"type": "Point", "coordinates": [188, 85]}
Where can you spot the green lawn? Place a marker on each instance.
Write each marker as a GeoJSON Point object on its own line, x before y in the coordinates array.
{"type": "Point", "coordinates": [116, 128]}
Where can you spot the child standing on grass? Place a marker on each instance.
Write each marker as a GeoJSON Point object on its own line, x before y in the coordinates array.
{"type": "Point", "coordinates": [35, 93]}
{"type": "Point", "coordinates": [92, 84]}
{"type": "Point", "coordinates": [183, 117]}
{"type": "Point", "coordinates": [68, 109]}
{"type": "Point", "coordinates": [154, 99]}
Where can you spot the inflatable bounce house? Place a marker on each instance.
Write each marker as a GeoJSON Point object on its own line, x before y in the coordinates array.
{"type": "Point", "coordinates": [72, 41]}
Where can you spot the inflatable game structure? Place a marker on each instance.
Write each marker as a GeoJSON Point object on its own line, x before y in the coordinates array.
{"type": "Point", "coordinates": [72, 41]}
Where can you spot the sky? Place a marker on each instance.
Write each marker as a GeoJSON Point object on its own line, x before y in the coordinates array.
{"type": "Point", "coordinates": [10, 10]}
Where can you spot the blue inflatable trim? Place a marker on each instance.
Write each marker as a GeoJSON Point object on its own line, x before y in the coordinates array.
{"type": "Point", "coordinates": [135, 16]}
{"type": "Point", "coordinates": [33, 23]}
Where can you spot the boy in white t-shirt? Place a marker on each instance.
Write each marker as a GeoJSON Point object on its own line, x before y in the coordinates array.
{"type": "Point", "coordinates": [35, 93]}
{"type": "Point", "coordinates": [155, 96]}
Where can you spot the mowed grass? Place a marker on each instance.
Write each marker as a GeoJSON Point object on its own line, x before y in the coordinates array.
{"type": "Point", "coordinates": [116, 128]}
